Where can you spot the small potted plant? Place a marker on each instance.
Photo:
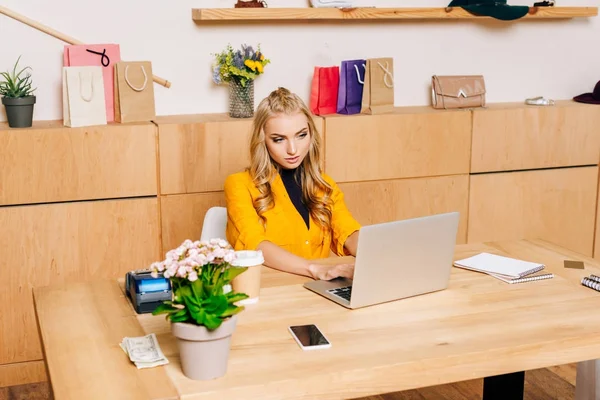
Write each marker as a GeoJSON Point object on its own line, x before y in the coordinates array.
{"type": "Point", "coordinates": [17, 96]}
{"type": "Point", "coordinates": [239, 68]}
{"type": "Point", "coordinates": [202, 313]}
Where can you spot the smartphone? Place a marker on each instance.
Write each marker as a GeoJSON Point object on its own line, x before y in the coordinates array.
{"type": "Point", "coordinates": [309, 337]}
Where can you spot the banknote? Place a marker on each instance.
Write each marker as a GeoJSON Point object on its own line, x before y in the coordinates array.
{"type": "Point", "coordinates": [144, 351]}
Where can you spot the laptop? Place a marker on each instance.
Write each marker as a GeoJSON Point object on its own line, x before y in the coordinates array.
{"type": "Point", "coordinates": [396, 260]}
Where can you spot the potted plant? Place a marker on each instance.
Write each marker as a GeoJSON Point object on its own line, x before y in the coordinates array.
{"type": "Point", "coordinates": [17, 97]}
{"type": "Point", "coordinates": [239, 68]}
{"type": "Point", "coordinates": [202, 314]}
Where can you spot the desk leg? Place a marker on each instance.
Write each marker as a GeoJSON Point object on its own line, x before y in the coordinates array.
{"type": "Point", "coordinates": [587, 383]}
{"type": "Point", "coordinates": [502, 387]}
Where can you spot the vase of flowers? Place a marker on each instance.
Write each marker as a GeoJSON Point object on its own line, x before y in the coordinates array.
{"type": "Point", "coordinates": [239, 69]}
{"type": "Point", "coordinates": [202, 313]}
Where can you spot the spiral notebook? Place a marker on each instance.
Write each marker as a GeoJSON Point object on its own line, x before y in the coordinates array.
{"type": "Point", "coordinates": [592, 281]}
{"type": "Point", "coordinates": [528, 278]}
{"type": "Point", "coordinates": [499, 265]}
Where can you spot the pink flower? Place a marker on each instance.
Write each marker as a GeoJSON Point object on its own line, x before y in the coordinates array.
{"type": "Point", "coordinates": [171, 255]}
{"type": "Point", "coordinates": [181, 272]}
{"type": "Point", "coordinates": [229, 257]}
{"type": "Point", "coordinates": [193, 276]}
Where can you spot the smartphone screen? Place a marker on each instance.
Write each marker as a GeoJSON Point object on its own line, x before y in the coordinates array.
{"type": "Point", "coordinates": [309, 335]}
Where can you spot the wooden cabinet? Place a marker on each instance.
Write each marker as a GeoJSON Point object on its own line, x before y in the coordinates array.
{"type": "Point", "coordinates": [415, 142]}
{"type": "Point", "coordinates": [558, 205]}
{"type": "Point", "coordinates": [508, 137]}
{"type": "Point", "coordinates": [385, 201]}
{"type": "Point", "coordinates": [182, 216]}
{"type": "Point", "coordinates": [198, 152]}
{"type": "Point", "coordinates": [87, 203]}
{"type": "Point", "coordinates": [197, 155]}
{"type": "Point", "coordinates": [50, 163]}
{"type": "Point", "coordinates": [66, 242]}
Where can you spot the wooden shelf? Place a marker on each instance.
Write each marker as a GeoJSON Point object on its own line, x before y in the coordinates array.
{"type": "Point", "coordinates": [370, 13]}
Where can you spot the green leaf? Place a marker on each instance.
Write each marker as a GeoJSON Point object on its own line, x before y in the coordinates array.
{"type": "Point", "coordinates": [235, 297]}
{"type": "Point", "coordinates": [180, 316]}
{"type": "Point", "coordinates": [232, 272]}
{"type": "Point", "coordinates": [14, 84]}
{"type": "Point", "coordinates": [215, 305]}
{"type": "Point", "coordinates": [200, 318]}
{"type": "Point", "coordinates": [231, 310]}
{"type": "Point", "coordinates": [212, 322]}
{"type": "Point", "coordinates": [163, 308]}
{"type": "Point", "coordinates": [198, 289]}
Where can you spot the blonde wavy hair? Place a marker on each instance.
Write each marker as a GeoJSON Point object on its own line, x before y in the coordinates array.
{"type": "Point", "coordinates": [316, 192]}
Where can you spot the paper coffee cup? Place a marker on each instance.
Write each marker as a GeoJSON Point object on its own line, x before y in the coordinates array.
{"type": "Point", "coordinates": [248, 281]}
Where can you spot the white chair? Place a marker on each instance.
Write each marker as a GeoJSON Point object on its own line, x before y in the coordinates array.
{"type": "Point", "coordinates": [215, 223]}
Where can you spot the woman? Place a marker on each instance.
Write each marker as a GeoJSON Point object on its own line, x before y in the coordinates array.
{"type": "Point", "coordinates": [283, 204]}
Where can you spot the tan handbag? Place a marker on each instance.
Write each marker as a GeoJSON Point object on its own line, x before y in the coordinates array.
{"type": "Point", "coordinates": [457, 91]}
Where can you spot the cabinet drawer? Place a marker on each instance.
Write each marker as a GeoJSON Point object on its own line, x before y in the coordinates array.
{"type": "Point", "coordinates": [66, 242]}
{"type": "Point", "coordinates": [528, 137]}
{"type": "Point", "coordinates": [401, 145]}
{"type": "Point", "coordinates": [558, 205]}
{"type": "Point", "coordinates": [51, 163]}
{"type": "Point", "coordinates": [384, 201]}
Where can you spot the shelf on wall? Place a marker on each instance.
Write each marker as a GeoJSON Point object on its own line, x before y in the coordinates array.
{"type": "Point", "coordinates": [371, 13]}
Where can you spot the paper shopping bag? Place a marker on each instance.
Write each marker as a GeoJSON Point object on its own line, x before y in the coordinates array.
{"type": "Point", "coordinates": [378, 91]}
{"type": "Point", "coordinates": [352, 74]}
{"type": "Point", "coordinates": [134, 92]}
{"type": "Point", "coordinates": [83, 96]}
{"type": "Point", "coordinates": [102, 55]}
{"type": "Point", "coordinates": [324, 90]}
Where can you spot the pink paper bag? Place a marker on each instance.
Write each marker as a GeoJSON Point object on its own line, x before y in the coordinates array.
{"type": "Point", "coordinates": [102, 55]}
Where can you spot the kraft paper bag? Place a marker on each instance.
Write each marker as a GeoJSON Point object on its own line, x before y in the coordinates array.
{"type": "Point", "coordinates": [134, 92]}
{"type": "Point", "coordinates": [101, 55]}
{"type": "Point", "coordinates": [83, 96]}
{"type": "Point", "coordinates": [378, 91]}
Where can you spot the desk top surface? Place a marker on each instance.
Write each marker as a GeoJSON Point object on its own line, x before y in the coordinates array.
{"type": "Point", "coordinates": [479, 326]}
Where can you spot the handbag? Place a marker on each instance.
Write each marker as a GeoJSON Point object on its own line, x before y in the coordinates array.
{"type": "Point", "coordinates": [251, 4]}
{"type": "Point", "coordinates": [457, 91]}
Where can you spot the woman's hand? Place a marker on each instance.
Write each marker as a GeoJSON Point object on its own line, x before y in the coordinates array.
{"type": "Point", "coordinates": [329, 272]}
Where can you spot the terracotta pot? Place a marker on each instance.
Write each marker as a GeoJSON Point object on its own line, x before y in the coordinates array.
{"type": "Point", "coordinates": [204, 354]}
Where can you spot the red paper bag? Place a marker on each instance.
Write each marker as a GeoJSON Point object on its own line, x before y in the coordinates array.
{"type": "Point", "coordinates": [324, 90]}
{"type": "Point", "coordinates": [102, 55]}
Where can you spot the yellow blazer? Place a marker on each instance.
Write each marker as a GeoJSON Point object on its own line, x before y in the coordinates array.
{"type": "Point", "coordinates": [285, 226]}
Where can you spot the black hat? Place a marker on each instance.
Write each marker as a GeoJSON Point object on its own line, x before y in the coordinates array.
{"type": "Point", "coordinates": [591, 98]}
{"type": "Point", "coordinates": [493, 8]}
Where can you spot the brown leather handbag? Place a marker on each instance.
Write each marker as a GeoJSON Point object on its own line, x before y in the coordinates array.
{"type": "Point", "coordinates": [457, 91]}
{"type": "Point", "coordinates": [251, 4]}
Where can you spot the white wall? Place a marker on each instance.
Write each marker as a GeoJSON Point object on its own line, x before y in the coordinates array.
{"type": "Point", "coordinates": [558, 59]}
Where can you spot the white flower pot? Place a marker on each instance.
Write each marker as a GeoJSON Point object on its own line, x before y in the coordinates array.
{"type": "Point", "coordinates": [204, 354]}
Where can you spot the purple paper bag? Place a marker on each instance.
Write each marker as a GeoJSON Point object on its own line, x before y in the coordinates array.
{"type": "Point", "coordinates": [352, 75]}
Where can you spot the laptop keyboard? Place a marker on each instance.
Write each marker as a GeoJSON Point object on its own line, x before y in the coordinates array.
{"type": "Point", "coordinates": [343, 292]}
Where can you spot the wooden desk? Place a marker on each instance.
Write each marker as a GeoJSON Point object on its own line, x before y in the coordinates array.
{"type": "Point", "coordinates": [478, 327]}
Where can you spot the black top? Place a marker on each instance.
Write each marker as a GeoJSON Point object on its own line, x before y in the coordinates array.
{"type": "Point", "coordinates": [290, 178]}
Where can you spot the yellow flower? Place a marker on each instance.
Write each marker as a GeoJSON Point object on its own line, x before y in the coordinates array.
{"type": "Point", "coordinates": [262, 57]}
{"type": "Point", "coordinates": [250, 64]}
{"type": "Point", "coordinates": [259, 67]}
